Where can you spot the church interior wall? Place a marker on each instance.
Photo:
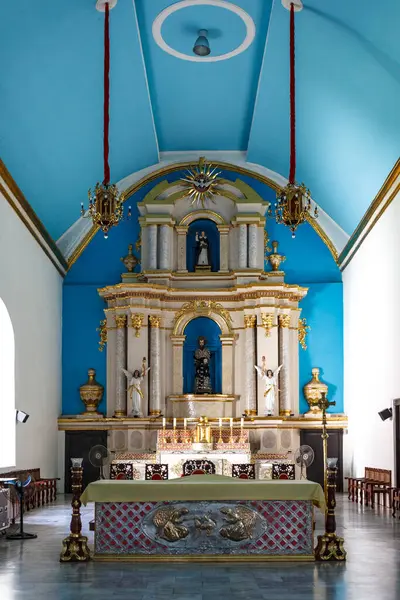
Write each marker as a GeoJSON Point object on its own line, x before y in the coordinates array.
{"type": "Point", "coordinates": [308, 263]}
{"type": "Point", "coordinates": [371, 283]}
{"type": "Point", "coordinates": [33, 297]}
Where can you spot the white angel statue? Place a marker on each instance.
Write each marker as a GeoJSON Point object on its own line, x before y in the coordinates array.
{"type": "Point", "coordinates": [270, 379]}
{"type": "Point", "coordinates": [134, 387]}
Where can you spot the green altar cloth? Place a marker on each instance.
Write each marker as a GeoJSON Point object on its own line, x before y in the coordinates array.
{"type": "Point", "coordinates": [203, 487]}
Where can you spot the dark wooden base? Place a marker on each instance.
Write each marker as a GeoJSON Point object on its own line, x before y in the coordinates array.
{"type": "Point", "coordinates": [330, 547]}
{"type": "Point", "coordinates": [75, 549]}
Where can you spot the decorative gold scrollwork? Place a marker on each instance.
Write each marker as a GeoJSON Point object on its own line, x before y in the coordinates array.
{"type": "Point", "coordinates": [137, 322]}
{"type": "Point", "coordinates": [103, 334]}
{"type": "Point", "coordinates": [267, 320]}
{"type": "Point", "coordinates": [303, 330]}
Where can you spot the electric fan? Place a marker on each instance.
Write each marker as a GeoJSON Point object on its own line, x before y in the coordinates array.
{"type": "Point", "coordinates": [99, 457]}
{"type": "Point", "coordinates": [21, 493]}
{"type": "Point", "coordinates": [304, 457]}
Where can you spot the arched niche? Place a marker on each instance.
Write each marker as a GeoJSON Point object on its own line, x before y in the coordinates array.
{"type": "Point", "coordinates": [211, 231]}
{"type": "Point", "coordinates": [202, 326]}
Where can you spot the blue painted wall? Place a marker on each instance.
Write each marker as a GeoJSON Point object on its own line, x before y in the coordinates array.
{"type": "Point", "coordinates": [308, 263]}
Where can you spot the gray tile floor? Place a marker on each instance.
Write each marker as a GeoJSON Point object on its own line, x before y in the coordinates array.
{"type": "Point", "coordinates": [31, 570]}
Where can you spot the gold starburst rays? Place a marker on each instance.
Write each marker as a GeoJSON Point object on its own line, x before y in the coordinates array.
{"type": "Point", "coordinates": [201, 184]}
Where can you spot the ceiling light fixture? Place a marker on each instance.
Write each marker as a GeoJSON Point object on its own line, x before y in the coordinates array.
{"type": "Point", "coordinates": [105, 201]}
{"type": "Point", "coordinates": [293, 203]}
{"type": "Point", "coordinates": [202, 46]}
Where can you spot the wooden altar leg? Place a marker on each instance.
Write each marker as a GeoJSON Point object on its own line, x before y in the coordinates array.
{"type": "Point", "coordinates": [75, 548]}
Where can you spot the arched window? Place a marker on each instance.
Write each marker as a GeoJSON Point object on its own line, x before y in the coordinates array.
{"type": "Point", "coordinates": [7, 389]}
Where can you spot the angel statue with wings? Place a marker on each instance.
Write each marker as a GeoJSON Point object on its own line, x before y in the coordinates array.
{"type": "Point", "coordinates": [134, 388]}
{"type": "Point", "coordinates": [270, 379]}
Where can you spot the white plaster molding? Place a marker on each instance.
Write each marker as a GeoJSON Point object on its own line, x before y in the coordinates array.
{"type": "Point", "coordinates": [101, 5]}
{"type": "Point", "coordinates": [69, 241]}
{"type": "Point", "coordinates": [247, 20]}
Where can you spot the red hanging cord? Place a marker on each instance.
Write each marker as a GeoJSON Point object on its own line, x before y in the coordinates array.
{"type": "Point", "coordinates": [106, 93]}
{"type": "Point", "coordinates": [292, 172]}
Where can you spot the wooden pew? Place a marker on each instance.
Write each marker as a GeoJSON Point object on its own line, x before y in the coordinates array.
{"type": "Point", "coordinates": [360, 489]}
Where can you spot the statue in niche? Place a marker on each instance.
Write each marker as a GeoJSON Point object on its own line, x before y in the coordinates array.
{"type": "Point", "coordinates": [270, 379]}
{"type": "Point", "coordinates": [134, 388]}
{"type": "Point", "coordinates": [202, 252]}
{"type": "Point", "coordinates": [202, 382]}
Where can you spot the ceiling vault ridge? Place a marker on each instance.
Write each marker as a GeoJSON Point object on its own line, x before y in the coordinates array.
{"type": "Point", "coordinates": [74, 241]}
{"type": "Point", "coordinates": [260, 74]}
{"type": "Point", "coordinates": [146, 78]}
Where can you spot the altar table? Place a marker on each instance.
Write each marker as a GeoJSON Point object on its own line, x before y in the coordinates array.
{"type": "Point", "coordinates": [204, 517]}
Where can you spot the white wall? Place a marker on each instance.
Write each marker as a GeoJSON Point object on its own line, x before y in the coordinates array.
{"type": "Point", "coordinates": [371, 285]}
{"type": "Point", "coordinates": [31, 289]}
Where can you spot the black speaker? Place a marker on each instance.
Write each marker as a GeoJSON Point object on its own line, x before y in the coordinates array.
{"type": "Point", "coordinates": [386, 414]}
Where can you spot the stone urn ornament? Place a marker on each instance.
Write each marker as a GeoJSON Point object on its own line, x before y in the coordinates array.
{"type": "Point", "coordinates": [276, 259]}
{"type": "Point", "coordinates": [313, 391]}
{"type": "Point", "coordinates": [91, 394]}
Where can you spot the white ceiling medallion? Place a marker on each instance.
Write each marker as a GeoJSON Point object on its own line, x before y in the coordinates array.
{"type": "Point", "coordinates": [297, 4]}
{"type": "Point", "coordinates": [248, 21]}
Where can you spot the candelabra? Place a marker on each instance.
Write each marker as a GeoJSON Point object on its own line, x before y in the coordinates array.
{"type": "Point", "coordinates": [330, 547]}
{"type": "Point", "coordinates": [75, 548]}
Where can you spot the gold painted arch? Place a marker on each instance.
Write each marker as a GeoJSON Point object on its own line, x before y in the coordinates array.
{"type": "Point", "coordinates": [202, 214]}
{"type": "Point", "coordinates": [166, 170]}
{"type": "Point", "coordinates": [202, 308]}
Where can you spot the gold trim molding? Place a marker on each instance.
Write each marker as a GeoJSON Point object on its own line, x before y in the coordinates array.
{"type": "Point", "coordinates": [369, 221]}
{"type": "Point", "coordinates": [38, 230]}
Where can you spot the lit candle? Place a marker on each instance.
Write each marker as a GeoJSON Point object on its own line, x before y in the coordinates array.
{"type": "Point", "coordinates": [231, 422]}
{"type": "Point", "coordinates": [184, 423]}
{"type": "Point", "coordinates": [241, 423]}
{"type": "Point", "coordinates": [220, 422]}
{"type": "Point", "coordinates": [164, 422]}
{"type": "Point", "coordinates": [174, 422]}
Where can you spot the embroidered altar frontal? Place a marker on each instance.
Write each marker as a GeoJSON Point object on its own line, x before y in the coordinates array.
{"type": "Point", "coordinates": [203, 530]}
{"type": "Point", "coordinates": [204, 517]}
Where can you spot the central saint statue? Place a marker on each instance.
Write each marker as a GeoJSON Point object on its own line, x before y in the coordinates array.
{"type": "Point", "coordinates": [202, 355]}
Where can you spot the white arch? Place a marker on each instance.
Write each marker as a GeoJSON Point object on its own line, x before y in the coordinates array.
{"type": "Point", "coordinates": [7, 389]}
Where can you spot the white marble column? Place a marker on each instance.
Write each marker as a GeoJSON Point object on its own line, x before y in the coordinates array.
{"type": "Point", "coordinates": [182, 233]}
{"type": "Point", "coordinates": [223, 248]}
{"type": "Point", "coordinates": [253, 246]}
{"type": "Point", "coordinates": [177, 362]}
{"type": "Point", "coordinates": [152, 246]}
{"type": "Point", "coordinates": [120, 363]}
{"type": "Point", "coordinates": [243, 246]}
{"type": "Point", "coordinates": [250, 361]}
{"type": "Point", "coordinates": [164, 247]}
{"type": "Point", "coordinates": [227, 363]}
{"type": "Point", "coordinates": [284, 360]}
{"type": "Point", "coordinates": [155, 371]}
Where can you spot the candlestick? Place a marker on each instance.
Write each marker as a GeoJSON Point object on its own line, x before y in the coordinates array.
{"type": "Point", "coordinates": [75, 548]}
{"type": "Point", "coordinates": [220, 440]}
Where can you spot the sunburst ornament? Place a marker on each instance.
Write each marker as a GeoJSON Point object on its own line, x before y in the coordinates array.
{"type": "Point", "coordinates": [201, 183]}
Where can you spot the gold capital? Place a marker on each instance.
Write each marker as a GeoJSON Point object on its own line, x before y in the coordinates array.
{"type": "Point", "coordinates": [137, 322]}
{"type": "Point", "coordinates": [267, 322]}
{"type": "Point", "coordinates": [120, 321]}
{"type": "Point", "coordinates": [250, 321]}
{"type": "Point", "coordinates": [284, 321]}
{"type": "Point", "coordinates": [155, 321]}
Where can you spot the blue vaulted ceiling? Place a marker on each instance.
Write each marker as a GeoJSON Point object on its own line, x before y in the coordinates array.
{"type": "Point", "coordinates": [348, 94]}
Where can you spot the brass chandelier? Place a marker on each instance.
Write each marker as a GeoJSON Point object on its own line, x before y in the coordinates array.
{"type": "Point", "coordinates": [293, 202]}
{"type": "Point", "coordinates": [105, 202]}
